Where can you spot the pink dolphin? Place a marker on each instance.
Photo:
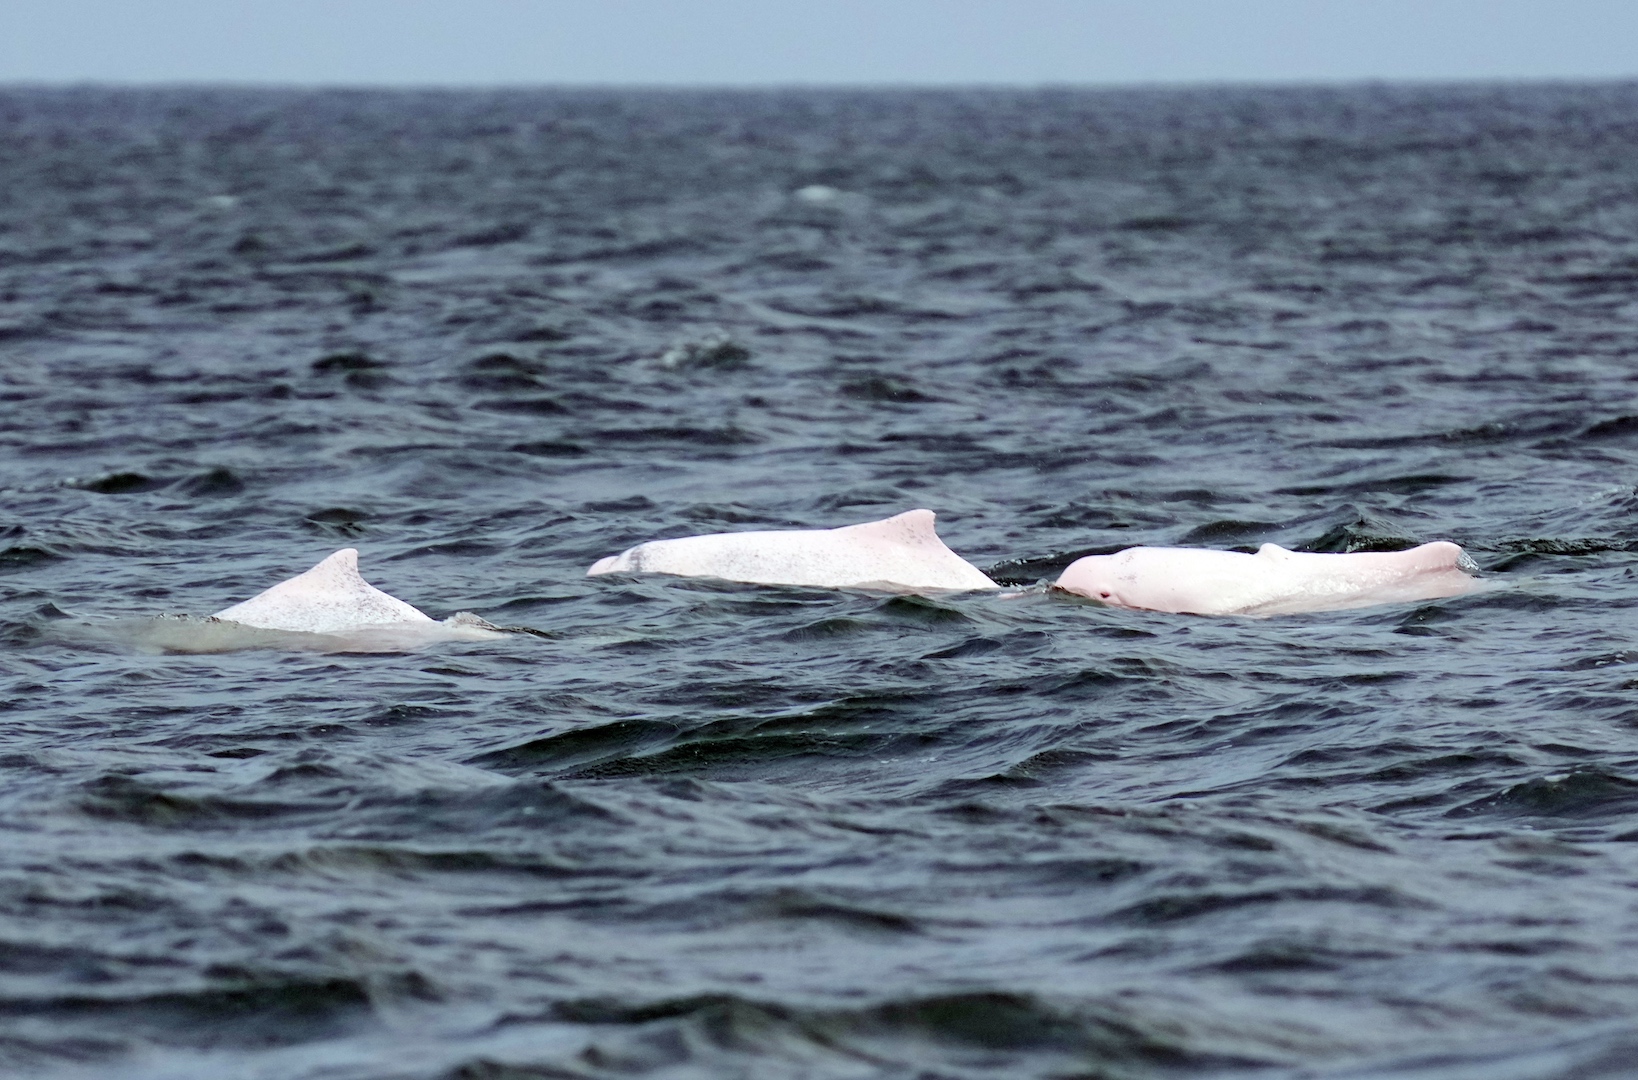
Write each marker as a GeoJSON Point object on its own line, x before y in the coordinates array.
{"type": "Point", "coordinates": [333, 598]}
{"type": "Point", "coordinates": [899, 554]}
{"type": "Point", "coordinates": [1272, 582]}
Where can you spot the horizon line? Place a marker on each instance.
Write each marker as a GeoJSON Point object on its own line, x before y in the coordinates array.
{"type": "Point", "coordinates": [1276, 83]}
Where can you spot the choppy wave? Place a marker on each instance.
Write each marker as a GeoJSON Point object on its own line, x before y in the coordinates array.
{"type": "Point", "coordinates": [688, 828]}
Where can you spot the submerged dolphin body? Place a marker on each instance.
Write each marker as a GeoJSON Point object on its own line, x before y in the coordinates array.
{"type": "Point", "coordinates": [1272, 582]}
{"type": "Point", "coordinates": [899, 554]}
{"type": "Point", "coordinates": [333, 599]}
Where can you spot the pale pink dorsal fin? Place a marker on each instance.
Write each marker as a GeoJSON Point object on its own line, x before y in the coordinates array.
{"type": "Point", "coordinates": [913, 528]}
{"type": "Point", "coordinates": [341, 565]}
{"type": "Point", "coordinates": [330, 597]}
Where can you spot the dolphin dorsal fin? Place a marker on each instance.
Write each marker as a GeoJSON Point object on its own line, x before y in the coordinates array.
{"type": "Point", "coordinates": [330, 597]}
{"type": "Point", "coordinates": [913, 528]}
{"type": "Point", "coordinates": [341, 566]}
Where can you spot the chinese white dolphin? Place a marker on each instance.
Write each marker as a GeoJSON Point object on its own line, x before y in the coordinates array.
{"type": "Point", "coordinates": [1272, 582]}
{"type": "Point", "coordinates": [898, 554]}
{"type": "Point", "coordinates": [334, 599]}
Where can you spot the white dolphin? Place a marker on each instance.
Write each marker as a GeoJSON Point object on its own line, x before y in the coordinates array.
{"type": "Point", "coordinates": [334, 599]}
{"type": "Point", "coordinates": [1272, 582]}
{"type": "Point", "coordinates": [898, 554]}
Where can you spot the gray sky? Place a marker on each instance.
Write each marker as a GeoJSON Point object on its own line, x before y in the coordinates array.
{"type": "Point", "coordinates": [740, 42]}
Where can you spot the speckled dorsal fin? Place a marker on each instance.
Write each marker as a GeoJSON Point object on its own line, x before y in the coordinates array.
{"type": "Point", "coordinates": [330, 597]}
{"type": "Point", "coordinates": [913, 528]}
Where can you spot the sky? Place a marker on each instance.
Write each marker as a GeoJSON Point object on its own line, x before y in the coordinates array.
{"type": "Point", "coordinates": [812, 42]}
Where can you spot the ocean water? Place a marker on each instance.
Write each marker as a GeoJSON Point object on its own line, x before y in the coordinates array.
{"type": "Point", "coordinates": [693, 829]}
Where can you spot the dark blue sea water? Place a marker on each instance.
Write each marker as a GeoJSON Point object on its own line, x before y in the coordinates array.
{"type": "Point", "coordinates": [691, 829]}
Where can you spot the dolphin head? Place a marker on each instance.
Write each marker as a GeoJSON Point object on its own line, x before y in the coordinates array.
{"type": "Point", "coordinates": [1092, 576]}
